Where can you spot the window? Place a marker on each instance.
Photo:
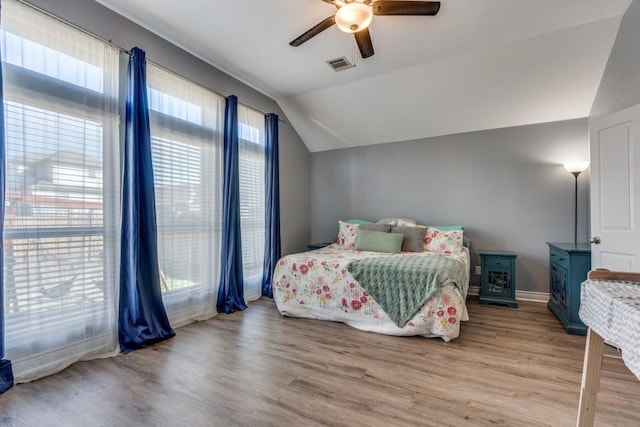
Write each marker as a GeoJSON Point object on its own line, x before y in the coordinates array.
{"type": "Point", "coordinates": [186, 141]}
{"type": "Point", "coordinates": [60, 226]}
{"type": "Point", "coordinates": [251, 134]}
{"type": "Point", "coordinates": [62, 207]}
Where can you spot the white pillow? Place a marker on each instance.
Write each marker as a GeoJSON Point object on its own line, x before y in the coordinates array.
{"type": "Point", "coordinates": [400, 222]}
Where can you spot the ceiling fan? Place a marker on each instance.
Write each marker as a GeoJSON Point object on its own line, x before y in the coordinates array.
{"type": "Point", "coordinates": [354, 16]}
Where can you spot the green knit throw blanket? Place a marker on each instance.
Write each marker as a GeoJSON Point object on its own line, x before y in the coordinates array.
{"type": "Point", "coordinates": [402, 284]}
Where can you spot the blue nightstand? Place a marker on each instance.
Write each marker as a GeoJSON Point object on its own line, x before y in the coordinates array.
{"type": "Point", "coordinates": [569, 265]}
{"type": "Point", "coordinates": [498, 283]}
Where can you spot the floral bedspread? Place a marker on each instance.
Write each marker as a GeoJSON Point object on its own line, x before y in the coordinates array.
{"type": "Point", "coordinates": [317, 285]}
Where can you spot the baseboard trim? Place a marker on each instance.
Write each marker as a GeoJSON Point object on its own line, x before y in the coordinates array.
{"type": "Point", "coordinates": [520, 295]}
{"type": "Point", "coordinates": [532, 296]}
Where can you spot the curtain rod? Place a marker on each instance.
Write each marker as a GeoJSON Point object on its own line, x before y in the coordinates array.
{"type": "Point", "coordinates": [127, 51]}
{"type": "Point", "coordinates": [64, 21]}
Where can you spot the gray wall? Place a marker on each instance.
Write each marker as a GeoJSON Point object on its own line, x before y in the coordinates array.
{"type": "Point", "coordinates": [294, 156]}
{"type": "Point", "coordinates": [507, 187]}
{"type": "Point", "coordinates": [620, 85]}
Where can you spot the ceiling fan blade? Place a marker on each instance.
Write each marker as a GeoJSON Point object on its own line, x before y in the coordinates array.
{"type": "Point", "coordinates": [364, 43]}
{"type": "Point", "coordinates": [392, 7]}
{"type": "Point", "coordinates": [314, 31]}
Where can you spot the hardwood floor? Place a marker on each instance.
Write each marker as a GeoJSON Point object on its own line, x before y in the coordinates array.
{"type": "Point", "coordinates": [512, 367]}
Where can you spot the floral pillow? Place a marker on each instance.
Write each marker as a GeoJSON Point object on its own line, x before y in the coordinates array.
{"type": "Point", "coordinates": [447, 241]}
{"type": "Point", "coordinates": [347, 235]}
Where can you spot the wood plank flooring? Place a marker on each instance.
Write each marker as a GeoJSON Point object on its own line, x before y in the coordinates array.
{"type": "Point", "coordinates": [509, 367]}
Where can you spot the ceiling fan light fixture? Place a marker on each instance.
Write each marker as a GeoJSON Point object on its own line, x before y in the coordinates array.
{"type": "Point", "coordinates": [354, 17]}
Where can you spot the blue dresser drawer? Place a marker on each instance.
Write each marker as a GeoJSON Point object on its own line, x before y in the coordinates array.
{"type": "Point", "coordinates": [496, 261]}
{"type": "Point", "coordinates": [559, 258]}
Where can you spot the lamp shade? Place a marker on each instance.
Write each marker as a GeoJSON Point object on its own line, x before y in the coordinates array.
{"type": "Point", "coordinates": [354, 17]}
{"type": "Point", "coordinates": [576, 167]}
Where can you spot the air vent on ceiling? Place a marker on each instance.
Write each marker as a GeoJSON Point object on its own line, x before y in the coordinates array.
{"type": "Point", "coordinates": [340, 64]}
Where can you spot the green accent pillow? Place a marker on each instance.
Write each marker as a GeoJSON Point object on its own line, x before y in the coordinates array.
{"type": "Point", "coordinates": [377, 241]}
{"type": "Point", "coordinates": [384, 228]}
{"type": "Point", "coordinates": [448, 227]}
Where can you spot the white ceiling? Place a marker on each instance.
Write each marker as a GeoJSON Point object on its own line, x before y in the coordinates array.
{"type": "Point", "coordinates": [478, 64]}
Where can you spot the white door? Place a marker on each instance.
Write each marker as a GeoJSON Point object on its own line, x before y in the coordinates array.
{"type": "Point", "coordinates": [615, 190]}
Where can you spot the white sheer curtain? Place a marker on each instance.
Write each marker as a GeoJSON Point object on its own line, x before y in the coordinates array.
{"type": "Point", "coordinates": [60, 253]}
{"type": "Point", "coordinates": [186, 138]}
{"type": "Point", "coordinates": [251, 151]}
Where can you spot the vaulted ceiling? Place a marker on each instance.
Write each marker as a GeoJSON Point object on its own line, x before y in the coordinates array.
{"type": "Point", "coordinates": [476, 65]}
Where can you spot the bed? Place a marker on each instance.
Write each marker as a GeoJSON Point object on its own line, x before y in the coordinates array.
{"type": "Point", "coordinates": [320, 284]}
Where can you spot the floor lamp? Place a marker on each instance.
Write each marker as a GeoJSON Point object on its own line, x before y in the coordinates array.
{"type": "Point", "coordinates": [575, 168]}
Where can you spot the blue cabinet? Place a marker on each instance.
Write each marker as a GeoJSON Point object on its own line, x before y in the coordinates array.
{"type": "Point", "coordinates": [498, 283]}
{"type": "Point", "coordinates": [569, 265]}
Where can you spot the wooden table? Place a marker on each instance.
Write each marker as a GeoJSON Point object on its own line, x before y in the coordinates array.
{"type": "Point", "coordinates": [610, 307]}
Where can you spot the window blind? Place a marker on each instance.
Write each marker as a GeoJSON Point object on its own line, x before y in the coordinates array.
{"type": "Point", "coordinates": [60, 235]}
{"type": "Point", "coordinates": [251, 150]}
{"type": "Point", "coordinates": [186, 140]}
